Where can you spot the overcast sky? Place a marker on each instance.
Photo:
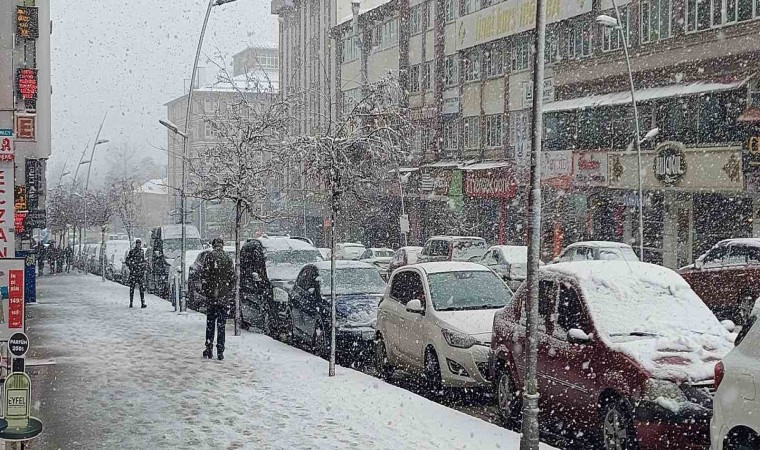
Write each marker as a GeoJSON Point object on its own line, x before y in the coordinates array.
{"type": "Point", "coordinates": [129, 57]}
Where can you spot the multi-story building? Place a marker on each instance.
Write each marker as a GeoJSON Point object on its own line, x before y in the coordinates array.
{"type": "Point", "coordinates": [25, 112]}
{"type": "Point", "coordinates": [467, 65]}
{"type": "Point", "coordinates": [256, 77]}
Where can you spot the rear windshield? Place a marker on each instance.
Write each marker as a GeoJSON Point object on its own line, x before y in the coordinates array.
{"type": "Point", "coordinates": [353, 281]}
{"type": "Point", "coordinates": [468, 290]}
{"type": "Point", "coordinates": [468, 250]}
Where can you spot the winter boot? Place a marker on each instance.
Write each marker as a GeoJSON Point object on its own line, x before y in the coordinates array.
{"type": "Point", "coordinates": [208, 353]}
{"type": "Point", "coordinates": [220, 356]}
{"type": "Point", "coordinates": [143, 305]}
{"type": "Point", "coordinates": [130, 304]}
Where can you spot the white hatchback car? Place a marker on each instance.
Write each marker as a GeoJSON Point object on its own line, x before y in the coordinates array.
{"type": "Point", "coordinates": [736, 407]}
{"type": "Point", "coordinates": [435, 320]}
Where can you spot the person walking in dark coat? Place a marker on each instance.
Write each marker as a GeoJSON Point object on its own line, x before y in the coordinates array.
{"type": "Point", "coordinates": [69, 257]}
{"type": "Point", "coordinates": [136, 264]}
{"type": "Point", "coordinates": [40, 259]}
{"type": "Point", "coordinates": [217, 283]}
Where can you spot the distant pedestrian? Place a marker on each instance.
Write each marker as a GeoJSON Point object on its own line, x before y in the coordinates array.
{"type": "Point", "coordinates": [217, 282]}
{"type": "Point", "coordinates": [136, 264]}
{"type": "Point", "coordinates": [69, 258]}
{"type": "Point", "coordinates": [40, 259]}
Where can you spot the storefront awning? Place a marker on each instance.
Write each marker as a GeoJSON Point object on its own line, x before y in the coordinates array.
{"type": "Point", "coordinates": [642, 95]}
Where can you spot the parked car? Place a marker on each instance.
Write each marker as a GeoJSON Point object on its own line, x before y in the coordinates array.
{"type": "Point", "coordinates": [736, 423]}
{"type": "Point", "coordinates": [196, 298]}
{"type": "Point", "coordinates": [325, 253]}
{"type": "Point", "coordinates": [114, 254]}
{"type": "Point", "coordinates": [304, 239]}
{"type": "Point", "coordinates": [404, 256]}
{"type": "Point", "coordinates": [358, 289]}
{"type": "Point", "coordinates": [508, 261]}
{"type": "Point", "coordinates": [626, 352]}
{"type": "Point", "coordinates": [93, 259]}
{"type": "Point", "coordinates": [165, 244]}
{"type": "Point", "coordinates": [284, 259]}
{"type": "Point", "coordinates": [597, 250]}
{"type": "Point", "coordinates": [175, 271]}
{"type": "Point", "coordinates": [349, 251]}
{"type": "Point", "coordinates": [435, 322]}
{"type": "Point", "coordinates": [727, 278]}
{"type": "Point", "coordinates": [453, 248]}
{"type": "Point", "coordinates": [379, 257]}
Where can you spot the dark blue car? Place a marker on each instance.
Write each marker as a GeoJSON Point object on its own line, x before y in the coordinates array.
{"type": "Point", "coordinates": [358, 289]}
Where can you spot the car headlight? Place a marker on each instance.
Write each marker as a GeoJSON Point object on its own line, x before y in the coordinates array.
{"type": "Point", "coordinates": [654, 389]}
{"type": "Point", "coordinates": [457, 339]}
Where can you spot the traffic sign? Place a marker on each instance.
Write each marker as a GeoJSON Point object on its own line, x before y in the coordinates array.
{"type": "Point", "coordinates": [18, 344]}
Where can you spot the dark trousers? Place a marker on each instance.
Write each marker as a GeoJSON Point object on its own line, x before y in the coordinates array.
{"type": "Point", "coordinates": [216, 317]}
{"type": "Point", "coordinates": [136, 281]}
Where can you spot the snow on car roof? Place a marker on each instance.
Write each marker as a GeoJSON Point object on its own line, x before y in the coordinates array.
{"type": "Point", "coordinates": [278, 244]}
{"type": "Point", "coordinates": [343, 264]}
{"type": "Point", "coordinates": [512, 251]}
{"type": "Point", "coordinates": [351, 244]}
{"type": "Point", "coordinates": [380, 249]}
{"type": "Point", "coordinates": [411, 248]}
{"type": "Point", "coordinates": [749, 242]}
{"type": "Point", "coordinates": [599, 244]}
{"type": "Point", "coordinates": [451, 238]}
{"type": "Point", "coordinates": [452, 266]}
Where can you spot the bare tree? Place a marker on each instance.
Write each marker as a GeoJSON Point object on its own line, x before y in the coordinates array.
{"type": "Point", "coordinates": [101, 206]}
{"type": "Point", "coordinates": [353, 154]}
{"type": "Point", "coordinates": [128, 208]}
{"type": "Point", "coordinates": [243, 164]}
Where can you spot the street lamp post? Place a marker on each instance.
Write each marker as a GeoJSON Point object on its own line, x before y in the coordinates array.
{"type": "Point", "coordinates": [616, 24]}
{"type": "Point", "coordinates": [186, 136]}
{"type": "Point", "coordinates": [86, 186]}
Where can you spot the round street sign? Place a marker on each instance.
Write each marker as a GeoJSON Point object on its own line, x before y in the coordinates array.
{"type": "Point", "coordinates": [18, 344]}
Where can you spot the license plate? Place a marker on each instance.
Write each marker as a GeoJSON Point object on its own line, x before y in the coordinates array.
{"type": "Point", "coordinates": [368, 335]}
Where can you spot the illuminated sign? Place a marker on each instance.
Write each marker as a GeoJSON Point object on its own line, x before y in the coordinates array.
{"type": "Point", "coordinates": [19, 195]}
{"type": "Point", "coordinates": [26, 127]}
{"type": "Point", "coordinates": [26, 83]}
{"type": "Point", "coordinates": [27, 22]}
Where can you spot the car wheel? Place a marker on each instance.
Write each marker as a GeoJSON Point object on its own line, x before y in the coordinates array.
{"type": "Point", "coordinates": [617, 426]}
{"type": "Point", "coordinates": [432, 374]}
{"type": "Point", "coordinates": [319, 342]}
{"type": "Point", "coordinates": [506, 398]}
{"type": "Point", "coordinates": [744, 309]}
{"type": "Point", "coordinates": [382, 365]}
{"type": "Point", "coordinates": [742, 439]}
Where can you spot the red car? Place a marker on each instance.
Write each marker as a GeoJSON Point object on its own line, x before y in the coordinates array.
{"type": "Point", "coordinates": [626, 352]}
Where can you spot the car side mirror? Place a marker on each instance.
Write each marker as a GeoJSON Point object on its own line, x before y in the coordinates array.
{"type": "Point", "coordinates": [414, 306]}
{"type": "Point", "coordinates": [577, 336]}
{"type": "Point", "coordinates": [729, 325]}
{"type": "Point", "coordinates": [698, 264]}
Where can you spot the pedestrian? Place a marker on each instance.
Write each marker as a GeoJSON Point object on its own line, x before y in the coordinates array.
{"type": "Point", "coordinates": [40, 259]}
{"type": "Point", "coordinates": [69, 256]}
{"type": "Point", "coordinates": [136, 264]}
{"type": "Point", "coordinates": [217, 282]}
{"type": "Point", "coordinates": [51, 255]}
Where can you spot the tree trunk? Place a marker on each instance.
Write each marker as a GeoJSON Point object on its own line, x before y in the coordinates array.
{"type": "Point", "coordinates": [238, 314]}
{"type": "Point", "coordinates": [530, 438]}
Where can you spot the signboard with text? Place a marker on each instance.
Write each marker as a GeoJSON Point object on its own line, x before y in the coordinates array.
{"type": "Point", "coordinates": [590, 168]}
{"type": "Point", "coordinates": [557, 168]}
{"type": "Point", "coordinates": [7, 210]}
{"type": "Point", "coordinates": [35, 218]}
{"type": "Point", "coordinates": [6, 145]}
{"type": "Point", "coordinates": [12, 316]}
{"type": "Point", "coordinates": [490, 183]}
{"type": "Point", "coordinates": [26, 127]}
{"type": "Point", "coordinates": [26, 83]}
{"type": "Point", "coordinates": [33, 175]}
{"type": "Point", "coordinates": [27, 22]}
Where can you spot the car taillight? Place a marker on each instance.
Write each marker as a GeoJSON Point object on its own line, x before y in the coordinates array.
{"type": "Point", "coordinates": [720, 371]}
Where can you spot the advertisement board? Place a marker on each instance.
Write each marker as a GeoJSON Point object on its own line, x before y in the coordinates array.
{"type": "Point", "coordinates": [11, 297]}
{"type": "Point", "coordinates": [590, 168]}
{"type": "Point", "coordinates": [7, 237]}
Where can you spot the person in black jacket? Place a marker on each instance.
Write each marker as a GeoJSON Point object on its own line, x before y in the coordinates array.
{"type": "Point", "coordinates": [217, 283]}
{"type": "Point", "coordinates": [136, 264]}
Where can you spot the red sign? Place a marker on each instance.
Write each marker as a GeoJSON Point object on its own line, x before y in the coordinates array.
{"type": "Point", "coordinates": [16, 299]}
{"type": "Point", "coordinates": [490, 183]}
{"type": "Point", "coordinates": [26, 127]}
{"type": "Point", "coordinates": [27, 83]}
{"type": "Point", "coordinates": [18, 222]}
{"type": "Point", "coordinates": [6, 148]}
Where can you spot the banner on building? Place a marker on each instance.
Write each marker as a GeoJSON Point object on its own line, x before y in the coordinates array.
{"type": "Point", "coordinates": [26, 127]}
{"type": "Point", "coordinates": [6, 145]}
{"type": "Point", "coordinates": [19, 198]}
{"type": "Point", "coordinates": [26, 83]}
{"type": "Point", "coordinates": [7, 242]}
{"type": "Point", "coordinates": [11, 297]}
{"type": "Point", "coordinates": [27, 22]}
{"type": "Point", "coordinates": [33, 172]}
{"type": "Point", "coordinates": [490, 183]}
{"type": "Point", "coordinates": [434, 182]}
{"type": "Point", "coordinates": [590, 168]}
{"type": "Point", "coordinates": [557, 168]}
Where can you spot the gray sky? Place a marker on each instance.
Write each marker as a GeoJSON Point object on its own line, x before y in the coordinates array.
{"type": "Point", "coordinates": [130, 57]}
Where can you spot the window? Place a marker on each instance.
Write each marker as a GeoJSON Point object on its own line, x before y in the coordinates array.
{"type": "Point", "coordinates": [385, 35]}
{"type": "Point", "coordinates": [450, 133]}
{"type": "Point", "coordinates": [703, 14]}
{"type": "Point", "coordinates": [472, 65]}
{"type": "Point", "coordinates": [425, 84]}
{"type": "Point", "coordinates": [450, 10]}
{"type": "Point", "coordinates": [551, 51]}
{"type": "Point", "coordinates": [493, 130]}
{"type": "Point", "coordinates": [655, 19]}
{"type": "Point", "coordinates": [471, 132]}
{"type": "Point", "coordinates": [429, 15]}
{"type": "Point", "coordinates": [579, 40]}
{"type": "Point", "coordinates": [611, 36]}
{"type": "Point", "coordinates": [407, 286]}
{"type": "Point", "coordinates": [521, 49]}
{"type": "Point", "coordinates": [415, 18]}
{"type": "Point", "coordinates": [414, 78]}
{"type": "Point", "coordinates": [547, 296]}
{"type": "Point", "coordinates": [569, 312]}
{"type": "Point", "coordinates": [450, 77]}
{"type": "Point", "coordinates": [351, 49]}
{"type": "Point", "coordinates": [493, 61]}
{"type": "Point", "coordinates": [469, 6]}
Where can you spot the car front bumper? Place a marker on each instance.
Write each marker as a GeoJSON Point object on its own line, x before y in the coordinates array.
{"type": "Point", "coordinates": [465, 367]}
{"type": "Point", "coordinates": [659, 428]}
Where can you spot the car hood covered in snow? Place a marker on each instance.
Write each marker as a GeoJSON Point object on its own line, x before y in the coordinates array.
{"type": "Point", "coordinates": [357, 310]}
{"type": "Point", "coordinates": [283, 272]}
{"type": "Point", "coordinates": [478, 323]}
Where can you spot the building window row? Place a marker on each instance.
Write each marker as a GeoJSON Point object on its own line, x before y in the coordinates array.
{"type": "Point", "coordinates": [420, 77]}
{"type": "Point", "coordinates": [421, 17]}
{"type": "Point", "coordinates": [704, 14]}
{"type": "Point", "coordinates": [611, 39]}
{"type": "Point", "coordinates": [351, 47]}
{"type": "Point", "coordinates": [385, 35]}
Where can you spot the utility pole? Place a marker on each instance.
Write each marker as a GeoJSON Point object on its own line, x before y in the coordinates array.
{"type": "Point", "coordinates": [529, 438]}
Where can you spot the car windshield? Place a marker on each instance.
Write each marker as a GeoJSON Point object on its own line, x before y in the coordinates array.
{"type": "Point", "coordinates": [383, 253]}
{"type": "Point", "coordinates": [468, 250]}
{"type": "Point", "coordinates": [297, 257]}
{"type": "Point", "coordinates": [617, 254]}
{"type": "Point", "coordinates": [353, 252]}
{"type": "Point", "coordinates": [467, 290]}
{"type": "Point", "coordinates": [353, 281]}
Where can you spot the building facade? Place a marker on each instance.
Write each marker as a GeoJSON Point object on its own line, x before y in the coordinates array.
{"type": "Point", "coordinates": [466, 65]}
{"type": "Point", "coordinates": [25, 120]}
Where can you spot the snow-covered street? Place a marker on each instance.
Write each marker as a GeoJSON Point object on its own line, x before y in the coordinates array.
{"type": "Point", "coordinates": [132, 378]}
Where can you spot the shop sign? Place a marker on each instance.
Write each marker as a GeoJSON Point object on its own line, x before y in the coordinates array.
{"type": "Point", "coordinates": [19, 198]}
{"type": "Point", "coordinates": [556, 164]}
{"type": "Point", "coordinates": [18, 222]}
{"type": "Point", "coordinates": [490, 183]}
{"type": "Point", "coordinates": [26, 127]}
{"type": "Point", "coordinates": [33, 175]}
{"type": "Point", "coordinates": [435, 182]}
{"type": "Point", "coordinates": [27, 22]}
{"type": "Point", "coordinates": [26, 83]}
{"type": "Point", "coordinates": [6, 145]}
{"type": "Point", "coordinates": [670, 163]}
{"type": "Point", "coordinates": [590, 168]}
{"type": "Point", "coordinates": [11, 297]}
{"type": "Point", "coordinates": [17, 396]}
{"type": "Point", "coordinates": [631, 199]}
{"type": "Point", "coordinates": [7, 239]}
{"type": "Point", "coordinates": [511, 17]}
{"type": "Point", "coordinates": [35, 219]}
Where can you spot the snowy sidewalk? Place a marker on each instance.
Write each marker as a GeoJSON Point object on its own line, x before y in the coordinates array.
{"type": "Point", "coordinates": [134, 379]}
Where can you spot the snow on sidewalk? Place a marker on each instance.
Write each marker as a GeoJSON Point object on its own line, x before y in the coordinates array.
{"type": "Point", "coordinates": [145, 385]}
